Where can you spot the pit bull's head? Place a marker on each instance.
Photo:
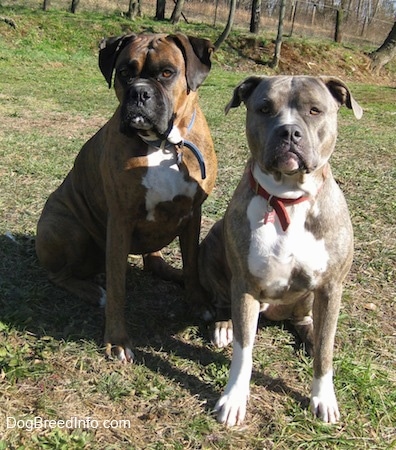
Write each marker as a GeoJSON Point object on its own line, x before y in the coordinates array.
{"type": "Point", "coordinates": [291, 122]}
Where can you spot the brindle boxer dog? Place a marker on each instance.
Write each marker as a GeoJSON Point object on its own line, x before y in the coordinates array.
{"type": "Point", "coordinates": [139, 182]}
{"type": "Point", "coordinates": [286, 243]}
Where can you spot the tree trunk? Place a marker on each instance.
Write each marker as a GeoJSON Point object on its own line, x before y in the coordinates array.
{"type": "Point", "coordinates": [215, 16]}
{"type": "Point", "coordinates": [46, 5]}
{"type": "Point", "coordinates": [133, 9]}
{"type": "Point", "coordinates": [177, 11]}
{"type": "Point", "coordinates": [255, 16]}
{"type": "Point", "coordinates": [385, 53]}
{"type": "Point", "coordinates": [74, 5]}
{"type": "Point", "coordinates": [160, 10]}
{"type": "Point", "coordinates": [293, 17]}
{"type": "Point", "coordinates": [278, 43]}
{"type": "Point", "coordinates": [338, 25]}
{"type": "Point", "coordinates": [227, 29]}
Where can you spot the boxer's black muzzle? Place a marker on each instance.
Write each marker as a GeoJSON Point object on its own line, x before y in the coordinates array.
{"type": "Point", "coordinates": [146, 107]}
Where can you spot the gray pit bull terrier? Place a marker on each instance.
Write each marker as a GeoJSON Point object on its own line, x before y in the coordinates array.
{"type": "Point", "coordinates": [285, 244]}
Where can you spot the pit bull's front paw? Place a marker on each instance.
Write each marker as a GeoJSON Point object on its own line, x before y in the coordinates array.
{"type": "Point", "coordinates": [231, 408]}
{"type": "Point", "coordinates": [122, 352]}
{"type": "Point", "coordinates": [222, 333]}
{"type": "Point", "coordinates": [326, 409]}
{"type": "Point", "coordinates": [323, 400]}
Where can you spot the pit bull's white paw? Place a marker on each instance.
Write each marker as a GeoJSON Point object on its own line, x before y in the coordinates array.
{"type": "Point", "coordinates": [323, 399]}
{"type": "Point", "coordinates": [223, 334]}
{"type": "Point", "coordinates": [231, 408]}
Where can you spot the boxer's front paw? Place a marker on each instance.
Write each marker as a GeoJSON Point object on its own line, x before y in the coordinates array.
{"type": "Point", "coordinates": [231, 407]}
{"type": "Point", "coordinates": [222, 333]}
{"type": "Point", "coordinates": [323, 400]}
{"type": "Point", "coordinates": [122, 350]}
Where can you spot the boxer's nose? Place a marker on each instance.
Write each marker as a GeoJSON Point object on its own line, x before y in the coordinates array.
{"type": "Point", "coordinates": [141, 93]}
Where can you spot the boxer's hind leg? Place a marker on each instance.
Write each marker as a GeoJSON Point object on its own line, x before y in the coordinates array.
{"type": "Point", "coordinates": [302, 321]}
{"type": "Point", "coordinates": [300, 315]}
{"type": "Point", "coordinates": [155, 263]}
{"type": "Point", "coordinates": [71, 257]}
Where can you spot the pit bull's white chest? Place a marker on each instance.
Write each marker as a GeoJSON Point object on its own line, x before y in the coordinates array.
{"type": "Point", "coordinates": [164, 180]}
{"type": "Point", "coordinates": [275, 256]}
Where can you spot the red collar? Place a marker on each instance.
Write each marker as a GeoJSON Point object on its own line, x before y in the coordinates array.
{"type": "Point", "coordinates": [275, 203]}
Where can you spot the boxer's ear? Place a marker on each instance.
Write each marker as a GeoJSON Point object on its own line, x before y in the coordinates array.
{"type": "Point", "coordinates": [340, 91]}
{"type": "Point", "coordinates": [242, 92]}
{"type": "Point", "coordinates": [109, 50]}
{"type": "Point", "coordinates": [197, 53]}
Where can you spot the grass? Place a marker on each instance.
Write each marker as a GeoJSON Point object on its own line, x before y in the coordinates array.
{"type": "Point", "coordinates": [52, 98]}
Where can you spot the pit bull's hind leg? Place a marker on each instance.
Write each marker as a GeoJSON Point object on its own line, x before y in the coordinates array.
{"type": "Point", "coordinates": [71, 257]}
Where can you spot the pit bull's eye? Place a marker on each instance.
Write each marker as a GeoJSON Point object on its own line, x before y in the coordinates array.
{"type": "Point", "coordinates": [266, 108]}
{"type": "Point", "coordinates": [314, 111]}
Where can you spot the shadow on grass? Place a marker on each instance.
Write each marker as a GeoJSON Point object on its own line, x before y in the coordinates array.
{"type": "Point", "coordinates": [156, 313]}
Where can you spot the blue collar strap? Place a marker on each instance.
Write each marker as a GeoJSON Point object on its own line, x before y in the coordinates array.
{"type": "Point", "coordinates": [197, 154]}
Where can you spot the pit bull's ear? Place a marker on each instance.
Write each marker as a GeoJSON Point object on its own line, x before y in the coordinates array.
{"type": "Point", "coordinates": [340, 91]}
{"type": "Point", "coordinates": [242, 92]}
{"type": "Point", "coordinates": [109, 50]}
{"type": "Point", "coordinates": [197, 53]}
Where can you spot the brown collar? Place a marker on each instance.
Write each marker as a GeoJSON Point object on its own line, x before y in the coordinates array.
{"type": "Point", "coordinates": [275, 203]}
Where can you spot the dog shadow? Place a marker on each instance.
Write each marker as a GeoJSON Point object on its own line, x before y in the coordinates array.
{"type": "Point", "coordinates": [156, 316]}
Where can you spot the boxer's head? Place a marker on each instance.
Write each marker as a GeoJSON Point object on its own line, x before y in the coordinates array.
{"type": "Point", "coordinates": [154, 74]}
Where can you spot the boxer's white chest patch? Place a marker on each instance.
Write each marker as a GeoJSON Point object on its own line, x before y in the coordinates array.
{"type": "Point", "coordinates": [275, 254]}
{"type": "Point", "coordinates": [164, 180]}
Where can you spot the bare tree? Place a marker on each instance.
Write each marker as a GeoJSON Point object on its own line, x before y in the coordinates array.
{"type": "Point", "coordinates": [177, 11]}
{"type": "Point", "coordinates": [385, 53]}
{"type": "Point", "coordinates": [134, 9]}
{"type": "Point", "coordinates": [228, 27]}
{"type": "Point", "coordinates": [255, 16]}
{"type": "Point", "coordinates": [338, 24]}
{"type": "Point", "coordinates": [160, 10]}
{"type": "Point", "coordinates": [74, 5]}
{"type": "Point", "coordinates": [279, 38]}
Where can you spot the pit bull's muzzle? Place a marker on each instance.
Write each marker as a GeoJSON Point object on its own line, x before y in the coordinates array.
{"type": "Point", "coordinates": [288, 150]}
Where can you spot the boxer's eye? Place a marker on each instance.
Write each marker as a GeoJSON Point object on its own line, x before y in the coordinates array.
{"type": "Point", "coordinates": [124, 73]}
{"type": "Point", "coordinates": [166, 73]}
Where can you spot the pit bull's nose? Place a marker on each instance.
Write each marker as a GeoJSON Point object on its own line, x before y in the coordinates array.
{"type": "Point", "coordinates": [291, 133]}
